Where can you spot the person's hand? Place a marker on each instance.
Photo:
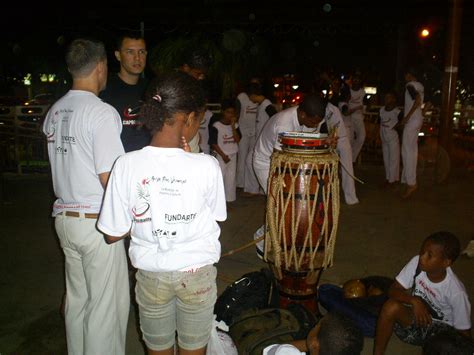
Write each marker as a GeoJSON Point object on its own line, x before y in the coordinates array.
{"type": "Point", "coordinates": [421, 312]}
{"type": "Point", "coordinates": [226, 159]}
{"type": "Point", "coordinates": [332, 141]}
{"type": "Point", "coordinates": [185, 145]}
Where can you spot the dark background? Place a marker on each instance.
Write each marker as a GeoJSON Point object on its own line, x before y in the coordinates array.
{"type": "Point", "coordinates": [378, 38]}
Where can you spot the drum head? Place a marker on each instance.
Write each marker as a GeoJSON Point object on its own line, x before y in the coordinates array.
{"type": "Point", "coordinates": [303, 142]}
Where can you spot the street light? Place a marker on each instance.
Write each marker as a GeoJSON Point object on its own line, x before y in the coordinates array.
{"type": "Point", "coordinates": [424, 33]}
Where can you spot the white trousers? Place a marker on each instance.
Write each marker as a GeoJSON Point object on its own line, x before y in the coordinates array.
{"type": "Point", "coordinates": [246, 145]}
{"type": "Point", "coordinates": [347, 171]}
{"type": "Point", "coordinates": [358, 134]}
{"type": "Point", "coordinates": [261, 169]}
{"type": "Point", "coordinates": [391, 153]}
{"type": "Point", "coordinates": [97, 290]}
{"type": "Point", "coordinates": [410, 150]}
{"type": "Point", "coordinates": [228, 174]}
{"type": "Point", "coordinates": [251, 184]}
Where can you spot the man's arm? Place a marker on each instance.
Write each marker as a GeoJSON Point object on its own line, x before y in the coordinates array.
{"type": "Point", "coordinates": [104, 178]}
{"type": "Point", "coordinates": [416, 104]}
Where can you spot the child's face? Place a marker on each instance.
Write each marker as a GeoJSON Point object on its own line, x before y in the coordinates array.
{"type": "Point", "coordinates": [432, 258]}
{"type": "Point", "coordinates": [229, 115]}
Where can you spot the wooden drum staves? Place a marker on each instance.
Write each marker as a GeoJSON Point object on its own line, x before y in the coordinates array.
{"type": "Point", "coordinates": [301, 222]}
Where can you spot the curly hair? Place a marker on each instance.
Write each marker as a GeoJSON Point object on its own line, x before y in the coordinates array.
{"type": "Point", "coordinates": [171, 94]}
{"type": "Point", "coordinates": [448, 241]}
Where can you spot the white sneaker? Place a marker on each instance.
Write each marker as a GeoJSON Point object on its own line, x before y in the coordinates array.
{"type": "Point", "coordinates": [469, 251]}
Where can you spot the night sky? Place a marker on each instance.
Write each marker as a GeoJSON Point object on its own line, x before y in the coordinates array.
{"type": "Point", "coordinates": [376, 37]}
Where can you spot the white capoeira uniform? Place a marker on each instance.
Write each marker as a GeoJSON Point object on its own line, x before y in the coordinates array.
{"type": "Point", "coordinates": [347, 119]}
{"type": "Point", "coordinates": [410, 135]}
{"type": "Point", "coordinates": [358, 126]}
{"type": "Point", "coordinates": [228, 145]}
{"type": "Point", "coordinates": [204, 132]}
{"type": "Point", "coordinates": [287, 120]}
{"type": "Point", "coordinates": [333, 119]}
{"type": "Point", "coordinates": [247, 117]}
{"type": "Point", "coordinates": [390, 143]}
{"type": "Point", "coordinates": [251, 184]}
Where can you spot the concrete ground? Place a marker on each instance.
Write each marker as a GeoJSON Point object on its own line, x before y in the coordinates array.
{"type": "Point", "coordinates": [376, 237]}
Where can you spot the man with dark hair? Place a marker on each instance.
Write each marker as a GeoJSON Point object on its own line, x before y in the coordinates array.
{"type": "Point", "coordinates": [83, 136]}
{"type": "Point", "coordinates": [314, 114]}
{"type": "Point", "coordinates": [196, 62]}
{"type": "Point", "coordinates": [125, 90]}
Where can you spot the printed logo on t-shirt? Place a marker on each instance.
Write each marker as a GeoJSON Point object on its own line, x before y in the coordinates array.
{"type": "Point", "coordinates": [180, 218]}
{"type": "Point", "coordinates": [421, 291]}
{"type": "Point", "coordinates": [61, 150]}
{"type": "Point", "coordinates": [141, 209]}
{"type": "Point", "coordinates": [228, 139]}
{"type": "Point", "coordinates": [163, 233]}
{"type": "Point", "coordinates": [130, 115]}
{"type": "Point", "coordinates": [251, 109]}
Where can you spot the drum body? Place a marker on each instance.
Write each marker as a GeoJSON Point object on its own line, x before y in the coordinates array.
{"type": "Point", "coordinates": [301, 222]}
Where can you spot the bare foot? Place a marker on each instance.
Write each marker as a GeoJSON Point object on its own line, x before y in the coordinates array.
{"type": "Point", "coordinates": [409, 191]}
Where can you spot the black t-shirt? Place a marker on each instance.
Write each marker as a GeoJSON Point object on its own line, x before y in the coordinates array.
{"type": "Point", "coordinates": [127, 100]}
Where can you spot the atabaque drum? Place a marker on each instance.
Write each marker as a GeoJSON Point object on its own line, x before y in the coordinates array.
{"type": "Point", "coordinates": [304, 142]}
{"type": "Point", "coordinates": [301, 222]}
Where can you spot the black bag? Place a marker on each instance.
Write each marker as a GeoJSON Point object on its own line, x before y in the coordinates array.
{"type": "Point", "coordinates": [256, 329]}
{"type": "Point", "coordinates": [254, 290]}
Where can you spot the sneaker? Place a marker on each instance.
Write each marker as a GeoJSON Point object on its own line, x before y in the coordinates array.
{"type": "Point", "coordinates": [469, 251]}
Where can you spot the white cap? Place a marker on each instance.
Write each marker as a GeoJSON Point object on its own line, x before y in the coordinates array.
{"type": "Point", "coordinates": [281, 349]}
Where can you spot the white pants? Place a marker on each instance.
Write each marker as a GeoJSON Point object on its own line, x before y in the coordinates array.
{"type": "Point", "coordinates": [410, 150]}
{"type": "Point", "coordinates": [358, 134]}
{"type": "Point", "coordinates": [245, 147]}
{"type": "Point", "coordinates": [251, 184]}
{"type": "Point", "coordinates": [391, 153]}
{"type": "Point", "coordinates": [261, 169]}
{"type": "Point", "coordinates": [228, 174]}
{"type": "Point", "coordinates": [97, 290]}
{"type": "Point", "coordinates": [347, 171]}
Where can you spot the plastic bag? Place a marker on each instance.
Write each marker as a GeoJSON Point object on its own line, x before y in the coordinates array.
{"type": "Point", "coordinates": [220, 343]}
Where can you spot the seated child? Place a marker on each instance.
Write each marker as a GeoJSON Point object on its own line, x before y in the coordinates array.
{"type": "Point", "coordinates": [437, 302]}
{"type": "Point", "coordinates": [224, 136]}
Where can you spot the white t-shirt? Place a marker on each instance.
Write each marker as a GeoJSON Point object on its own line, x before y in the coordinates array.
{"type": "Point", "coordinates": [388, 119]}
{"type": "Point", "coordinates": [357, 99]}
{"type": "Point", "coordinates": [225, 138]}
{"type": "Point", "coordinates": [204, 132]}
{"type": "Point", "coordinates": [262, 116]}
{"type": "Point", "coordinates": [283, 121]}
{"type": "Point", "coordinates": [333, 120]}
{"type": "Point", "coordinates": [417, 115]}
{"type": "Point", "coordinates": [83, 135]}
{"type": "Point", "coordinates": [248, 115]}
{"type": "Point", "coordinates": [447, 298]}
{"type": "Point", "coordinates": [170, 201]}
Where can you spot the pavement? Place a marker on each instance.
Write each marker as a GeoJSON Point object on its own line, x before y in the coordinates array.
{"type": "Point", "coordinates": [376, 237]}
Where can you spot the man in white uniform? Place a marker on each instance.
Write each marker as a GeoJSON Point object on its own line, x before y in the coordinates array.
{"type": "Point", "coordinates": [412, 122]}
{"type": "Point", "coordinates": [265, 110]}
{"type": "Point", "coordinates": [247, 111]}
{"type": "Point", "coordinates": [312, 115]}
{"type": "Point", "coordinates": [83, 135]}
{"type": "Point", "coordinates": [356, 106]}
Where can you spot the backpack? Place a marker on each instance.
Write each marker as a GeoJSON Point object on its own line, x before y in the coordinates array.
{"type": "Point", "coordinates": [363, 311]}
{"type": "Point", "coordinates": [256, 329]}
{"type": "Point", "coordinates": [254, 290]}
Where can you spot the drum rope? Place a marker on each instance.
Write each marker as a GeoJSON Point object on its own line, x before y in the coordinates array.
{"type": "Point", "coordinates": [277, 207]}
{"type": "Point", "coordinates": [332, 150]}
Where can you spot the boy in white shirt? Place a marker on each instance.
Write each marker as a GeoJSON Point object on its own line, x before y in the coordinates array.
{"type": "Point", "coordinates": [437, 302]}
{"type": "Point", "coordinates": [224, 138]}
{"type": "Point", "coordinates": [169, 201]}
{"type": "Point", "coordinates": [356, 105]}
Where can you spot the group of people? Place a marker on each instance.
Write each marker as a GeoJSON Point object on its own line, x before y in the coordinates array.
{"type": "Point", "coordinates": [123, 167]}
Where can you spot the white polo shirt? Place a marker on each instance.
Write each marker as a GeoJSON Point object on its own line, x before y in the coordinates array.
{"type": "Point", "coordinates": [170, 201]}
{"type": "Point", "coordinates": [83, 135]}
